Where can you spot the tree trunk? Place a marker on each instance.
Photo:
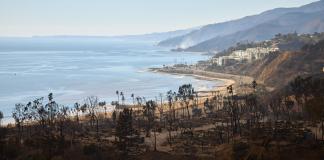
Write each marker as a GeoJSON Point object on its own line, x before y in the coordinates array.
{"type": "Point", "coordinates": [97, 126]}
{"type": "Point", "coordinates": [188, 112]}
{"type": "Point", "coordinates": [322, 130]}
{"type": "Point", "coordinates": [155, 140]}
{"type": "Point", "coordinates": [170, 137]}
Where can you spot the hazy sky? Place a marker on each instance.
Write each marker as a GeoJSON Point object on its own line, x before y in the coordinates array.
{"type": "Point", "coordinates": [120, 17]}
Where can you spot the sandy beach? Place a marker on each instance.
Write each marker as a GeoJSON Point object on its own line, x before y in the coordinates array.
{"type": "Point", "coordinates": [227, 79]}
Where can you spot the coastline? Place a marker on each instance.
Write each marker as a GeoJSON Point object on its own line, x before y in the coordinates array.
{"type": "Point", "coordinates": [227, 79]}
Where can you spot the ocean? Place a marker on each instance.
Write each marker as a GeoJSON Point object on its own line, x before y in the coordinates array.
{"type": "Point", "coordinates": [74, 68]}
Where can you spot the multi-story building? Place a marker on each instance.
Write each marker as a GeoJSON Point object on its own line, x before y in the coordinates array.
{"type": "Point", "coordinates": [250, 54]}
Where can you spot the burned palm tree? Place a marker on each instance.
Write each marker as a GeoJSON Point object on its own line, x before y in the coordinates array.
{"type": "Point", "coordinates": [117, 93]}
{"type": "Point", "coordinates": [133, 98]}
{"type": "Point", "coordinates": [1, 117]}
{"type": "Point", "coordinates": [77, 109]}
{"type": "Point", "coordinates": [123, 98]}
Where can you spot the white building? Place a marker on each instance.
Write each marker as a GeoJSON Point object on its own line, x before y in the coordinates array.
{"type": "Point", "coordinates": [249, 54]}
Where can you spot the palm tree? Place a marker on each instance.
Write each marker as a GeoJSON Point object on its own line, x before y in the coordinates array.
{"type": "Point", "coordinates": [1, 117]}
{"type": "Point", "coordinates": [77, 110]}
{"type": "Point", "coordinates": [117, 92]}
{"type": "Point", "coordinates": [133, 96]}
{"type": "Point", "coordinates": [123, 98]}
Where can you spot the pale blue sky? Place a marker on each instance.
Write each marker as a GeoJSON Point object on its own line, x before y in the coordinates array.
{"type": "Point", "coordinates": [120, 17]}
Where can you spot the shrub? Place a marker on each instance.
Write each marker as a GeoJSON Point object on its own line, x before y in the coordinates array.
{"type": "Point", "coordinates": [90, 149]}
{"type": "Point", "coordinates": [240, 150]}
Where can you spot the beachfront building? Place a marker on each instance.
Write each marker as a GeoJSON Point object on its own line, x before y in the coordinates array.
{"type": "Point", "coordinates": [225, 60]}
{"type": "Point", "coordinates": [250, 54]}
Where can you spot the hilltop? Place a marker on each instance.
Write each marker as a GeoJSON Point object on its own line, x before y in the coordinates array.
{"type": "Point", "coordinates": [220, 36]}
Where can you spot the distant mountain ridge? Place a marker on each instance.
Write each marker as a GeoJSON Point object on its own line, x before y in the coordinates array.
{"type": "Point", "coordinates": [154, 37]}
{"type": "Point", "coordinates": [289, 23]}
{"type": "Point", "coordinates": [221, 35]}
{"type": "Point", "coordinates": [158, 36]}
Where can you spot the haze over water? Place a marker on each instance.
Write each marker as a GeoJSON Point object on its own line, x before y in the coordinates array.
{"type": "Point", "coordinates": [74, 68]}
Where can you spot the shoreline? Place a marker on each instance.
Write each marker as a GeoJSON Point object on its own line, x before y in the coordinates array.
{"type": "Point", "coordinates": [227, 79]}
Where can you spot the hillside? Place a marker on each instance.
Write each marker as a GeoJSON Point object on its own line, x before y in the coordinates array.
{"type": "Point", "coordinates": [269, 21]}
{"type": "Point", "coordinates": [288, 23]}
{"type": "Point", "coordinates": [289, 65]}
{"type": "Point", "coordinates": [271, 69]}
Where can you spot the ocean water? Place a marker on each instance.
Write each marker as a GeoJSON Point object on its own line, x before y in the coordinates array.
{"type": "Point", "coordinates": [74, 68]}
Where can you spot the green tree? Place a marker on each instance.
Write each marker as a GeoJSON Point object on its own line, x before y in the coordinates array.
{"type": "Point", "coordinates": [186, 94]}
{"type": "Point", "coordinates": [125, 130]}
